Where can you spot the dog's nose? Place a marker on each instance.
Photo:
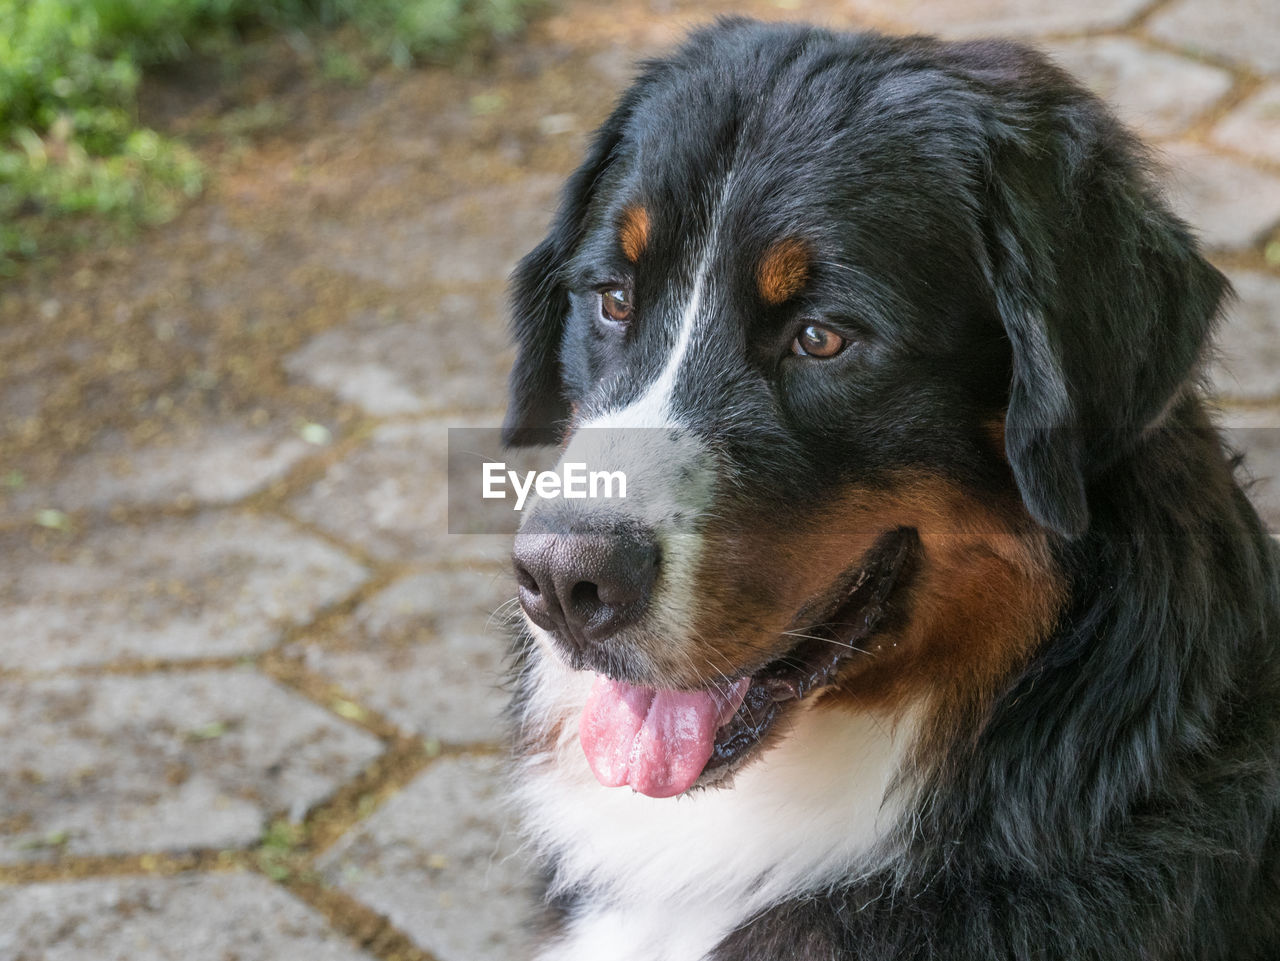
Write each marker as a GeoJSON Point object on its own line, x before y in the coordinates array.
{"type": "Point", "coordinates": [585, 587]}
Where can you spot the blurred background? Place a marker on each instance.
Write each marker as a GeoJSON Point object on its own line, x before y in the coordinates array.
{"type": "Point", "coordinates": [252, 266]}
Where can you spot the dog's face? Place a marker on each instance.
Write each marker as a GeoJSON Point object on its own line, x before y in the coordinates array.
{"type": "Point", "coordinates": [860, 319]}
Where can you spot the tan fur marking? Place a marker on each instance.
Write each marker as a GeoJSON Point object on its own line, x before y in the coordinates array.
{"type": "Point", "coordinates": [634, 234]}
{"type": "Point", "coordinates": [985, 593]}
{"type": "Point", "coordinates": [783, 270]}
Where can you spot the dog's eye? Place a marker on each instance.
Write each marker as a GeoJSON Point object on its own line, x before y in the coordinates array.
{"type": "Point", "coordinates": [615, 306]}
{"type": "Point", "coordinates": [818, 342]}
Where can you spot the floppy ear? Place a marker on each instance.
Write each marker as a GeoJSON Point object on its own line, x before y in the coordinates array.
{"type": "Point", "coordinates": [1102, 291]}
{"type": "Point", "coordinates": [536, 406]}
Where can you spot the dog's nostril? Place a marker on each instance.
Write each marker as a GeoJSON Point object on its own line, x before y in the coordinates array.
{"type": "Point", "coordinates": [585, 595]}
{"type": "Point", "coordinates": [525, 579]}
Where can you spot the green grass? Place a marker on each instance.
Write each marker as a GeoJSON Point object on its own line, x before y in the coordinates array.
{"type": "Point", "coordinates": [70, 141]}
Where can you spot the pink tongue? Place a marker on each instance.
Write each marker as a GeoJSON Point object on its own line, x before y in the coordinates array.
{"type": "Point", "coordinates": [656, 741]}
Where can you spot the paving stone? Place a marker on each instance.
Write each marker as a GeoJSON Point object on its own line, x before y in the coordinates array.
{"type": "Point", "coordinates": [208, 586]}
{"type": "Point", "coordinates": [1247, 366]}
{"type": "Point", "coordinates": [971, 18]}
{"type": "Point", "coordinates": [455, 357]}
{"type": "Point", "coordinates": [215, 465]}
{"type": "Point", "coordinates": [1254, 126]}
{"type": "Point", "coordinates": [1256, 433]}
{"type": "Point", "coordinates": [191, 917]}
{"type": "Point", "coordinates": [472, 239]}
{"type": "Point", "coordinates": [390, 497]}
{"type": "Point", "coordinates": [441, 862]}
{"type": "Point", "coordinates": [163, 762]}
{"type": "Point", "coordinates": [1156, 93]}
{"type": "Point", "coordinates": [1242, 31]}
{"type": "Point", "coordinates": [427, 653]}
{"type": "Point", "coordinates": [21, 397]}
{"type": "Point", "coordinates": [1229, 203]}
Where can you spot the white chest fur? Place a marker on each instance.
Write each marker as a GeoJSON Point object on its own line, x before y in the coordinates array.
{"type": "Point", "coordinates": [671, 877]}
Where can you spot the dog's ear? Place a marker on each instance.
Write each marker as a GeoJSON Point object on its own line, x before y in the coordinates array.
{"type": "Point", "coordinates": [537, 409]}
{"type": "Point", "coordinates": [1102, 291]}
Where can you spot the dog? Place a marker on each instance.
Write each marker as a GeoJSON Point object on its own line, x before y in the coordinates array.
{"type": "Point", "coordinates": [938, 625]}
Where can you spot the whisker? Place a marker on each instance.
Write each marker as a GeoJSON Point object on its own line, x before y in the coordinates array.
{"type": "Point", "coordinates": [504, 614]}
{"type": "Point", "coordinates": [828, 640]}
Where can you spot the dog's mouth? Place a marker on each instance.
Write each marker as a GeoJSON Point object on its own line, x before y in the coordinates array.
{"type": "Point", "coordinates": [663, 743]}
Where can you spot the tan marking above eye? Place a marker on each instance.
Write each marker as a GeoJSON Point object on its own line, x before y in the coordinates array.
{"type": "Point", "coordinates": [783, 270]}
{"type": "Point", "coordinates": [634, 233]}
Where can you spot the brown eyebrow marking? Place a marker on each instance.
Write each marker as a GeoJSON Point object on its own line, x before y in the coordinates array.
{"type": "Point", "coordinates": [634, 234]}
{"type": "Point", "coordinates": [783, 270]}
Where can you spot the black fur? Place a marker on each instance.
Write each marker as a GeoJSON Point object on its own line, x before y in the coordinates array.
{"type": "Point", "coordinates": [1004, 250]}
{"type": "Point", "coordinates": [1121, 801]}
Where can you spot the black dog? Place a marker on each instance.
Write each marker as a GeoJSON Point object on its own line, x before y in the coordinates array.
{"type": "Point", "coordinates": [938, 625]}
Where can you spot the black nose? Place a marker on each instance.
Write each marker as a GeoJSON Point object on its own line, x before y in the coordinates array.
{"type": "Point", "coordinates": [585, 587]}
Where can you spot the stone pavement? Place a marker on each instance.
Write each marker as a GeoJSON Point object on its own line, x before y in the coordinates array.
{"type": "Point", "coordinates": [249, 686]}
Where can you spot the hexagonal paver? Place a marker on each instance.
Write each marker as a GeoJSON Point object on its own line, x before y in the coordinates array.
{"type": "Point", "coordinates": [1157, 93]}
{"type": "Point", "coordinates": [427, 653]}
{"type": "Point", "coordinates": [191, 917]}
{"type": "Point", "coordinates": [1254, 126]}
{"type": "Point", "coordinates": [454, 357]}
{"type": "Point", "coordinates": [165, 762]}
{"type": "Point", "coordinates": [472, 239]}
{"type": "Point", "coordinates": [1242, 31]}
{"type": "Point", "coordinates": [209, 586]}
{"type": "Point", "coordinates": [972, 18]}
{"type": "Point", "coordinates": [390, 497]}
{"type": "Point", "coordinates": [441, 862]}
{"type": "Point", "coordinates": [1256, 433]}
{"type": "Point", "coordinates": [213, 465]}
{"type": "Point", "coordinates": [1230, 204]}
{"type": "Point", "coordinates": [1247, 363]}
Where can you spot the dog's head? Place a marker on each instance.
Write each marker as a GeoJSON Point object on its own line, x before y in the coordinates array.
{"type": "Point", "coordinates": [863, 320]}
